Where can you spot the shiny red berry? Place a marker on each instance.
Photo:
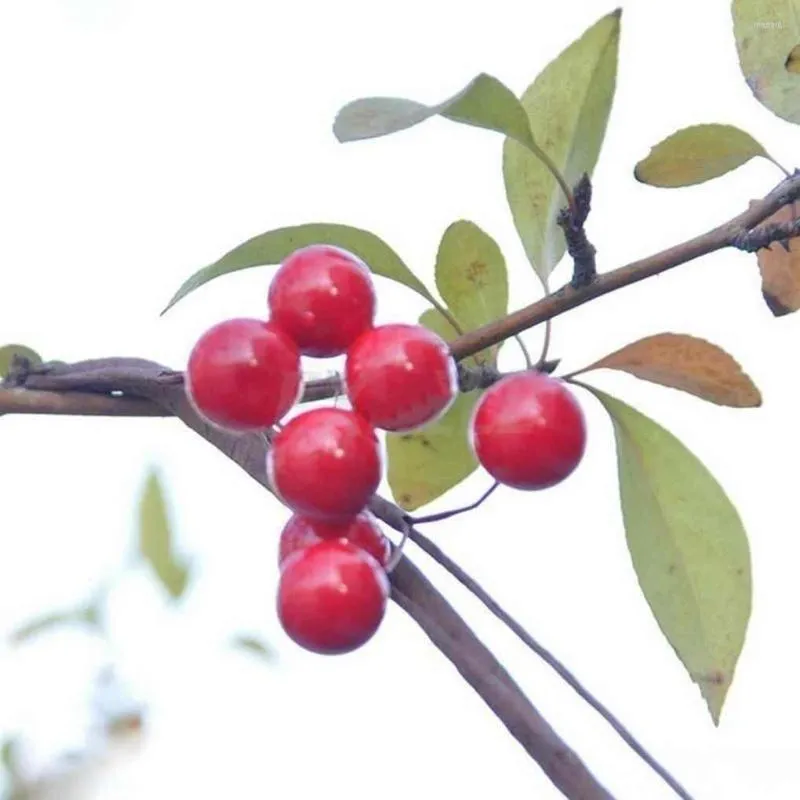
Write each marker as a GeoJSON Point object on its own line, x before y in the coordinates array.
{"type": "Point", "coordinates": [301, 532]}
{"type": "Point", "coordinates": [323, 298]}
{"type": "Point", "coordinates": [528, 431]}
{"type": "Point", "coordinates": [326, 463]}
{"type": "Point", "coordinates": [400, 377]}
{"type": "Point", "coordinates": [332, 597]}
{"type": "Point", "coordinates": [244, 374]}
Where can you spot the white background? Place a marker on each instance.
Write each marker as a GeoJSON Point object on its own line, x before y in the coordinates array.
{"type": "Point", "coordinates": [140, 141]}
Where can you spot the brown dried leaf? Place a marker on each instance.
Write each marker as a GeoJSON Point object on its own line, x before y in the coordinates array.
{"type": "Point", "coordinates": [780, 268]}
{"type": "Point", "coordinates": [687, 363]}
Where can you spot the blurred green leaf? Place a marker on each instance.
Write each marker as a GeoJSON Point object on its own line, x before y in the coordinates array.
{"type": "Point", "coordinates": [426, 463]}
{"type": "Point", "coordinates": [484, 102]}
{"type": "Point", "coordinates": [768, 42]}
{"type": "Point", "coordinates": [689, 549]}
{"type": "Point", "coordinates": [568, 107]}
{"type": "Point", "coordinates": [155, 538]}
{"type": "Point", "coordinates": [9, 758]}
{"type": "Point", "coordinates": [10, 351]}
{"type": "Point", "coordinates": [274, 246]}
{"type": "Point", "coordinates": [256, 647]}
{"type": "Point", "coordinates": [88, 616]}
{"type": "Point", "coordinates": [697, 154]}
{"type": "Point", "coordinates": [471, 275]}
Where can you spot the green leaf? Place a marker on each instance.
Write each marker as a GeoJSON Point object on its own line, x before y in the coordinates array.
{"type": "Point", "coordinates": [768, 41]}
{"type": "Point", "coordinates": [255, 646]}
{"type": "Point", "coordinates": [471, 275]}
{"type": "Point", "coordinates": [689, 549]}
{"type": "Point", "coordinates": [155, 539]}
{"type": "Point", "coordinates": [426, 463]}
{"type": "Point", "coordinates": [568, 107]}
{"type": "Point", "coordinates": [48, 622]}
{"type": "Point", "coordinates": [697, 154]}
{"type": "Point", "coordinates": [485, 103]}
{"type": "Point", "coordinates": [10, 351]}
{"type": "Point", "coordinates": [274, 246]}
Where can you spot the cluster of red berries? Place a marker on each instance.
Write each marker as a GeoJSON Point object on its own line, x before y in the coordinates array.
{"type": "Point", "coordinates": [325, 464]}
{"type": "Point", "coordinates": [527, 431]}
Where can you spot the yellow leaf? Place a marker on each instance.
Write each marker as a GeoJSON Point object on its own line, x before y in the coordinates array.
{"type": "Point", "coordinates": [687, 363]}
{"type": "Point", "coordinates": [696, 154]}
{"type": "Point", "coordinates": [688, 547]}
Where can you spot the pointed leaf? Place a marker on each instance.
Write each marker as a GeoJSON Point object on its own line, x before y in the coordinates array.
{"type": "Point", "coordinates": [274, 246]}
{"type": "Point", "coordinates": [780, 267]}
{"type": "Point", "coordinates": [688, 546]}
{"type": "Point", "coordinates": [568, 106]}
{"type": "Point", "coordinates": [687, 363]}
{"type": "Point", "coordinates": [11, 351]}
{"type": "Point", "coordinates": [485, 103]}
{"type": "Point", "coordinates": [424, 464]}
{"type": "Point", "coordinates": [768, 41]}
{"type": "Point", "coordinates": [697, 154]}
{"type": "Point", "coordinates": [256, 647]}
{"type": "Point", "coordinates": [155, 538]}
{"type": "Point", "coordinates": [471, 275]}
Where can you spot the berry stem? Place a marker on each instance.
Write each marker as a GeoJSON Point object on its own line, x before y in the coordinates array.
{"type": "Point", "coordinates": [525, 352]}
{"type": "Point", "coordinates": [397, 550]}
{"type": "Point", "coordinates": [548, 325]}
{"type": "Point", "coordinates": [442, 515]}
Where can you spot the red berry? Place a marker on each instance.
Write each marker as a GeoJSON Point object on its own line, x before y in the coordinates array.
{"type": "Point", "coordinates": [323, 298]}
{"type": "Point", "coordinates": [528, 431]}
{"type": "Point", "coordinates": [400, 377]}
{"type": "Point", "coordinates": [244, 374]}
{"type": "Point", "coordinates": [301, 532]}
{"type": "Point", "coordinates": [332, 597]}
{"type": "Point", "coordinates": [326, 463]}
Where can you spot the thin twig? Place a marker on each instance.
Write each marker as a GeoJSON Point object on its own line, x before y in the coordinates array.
{"type": "Point", "coordinates": [469, 583]}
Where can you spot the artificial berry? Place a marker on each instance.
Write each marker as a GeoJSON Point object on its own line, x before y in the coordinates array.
{"type": "Point", "coordinates": [323, 298]}
{"type": "Point", "coordinates": [400, 377]}
{"type": "Point", "coordinates": [301, 532]}
{"type": "Point", "coordinates": [332, 597]}
{"type": "Point", "coordinates": [244, 374]}
{"type": "Point", "coordinates": [528, 431]}
{"type": "Point", "coordinates": [325, 463]}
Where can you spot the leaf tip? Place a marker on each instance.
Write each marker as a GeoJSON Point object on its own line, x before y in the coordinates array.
{"type": "Point", "coordinates": [637, 172]}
